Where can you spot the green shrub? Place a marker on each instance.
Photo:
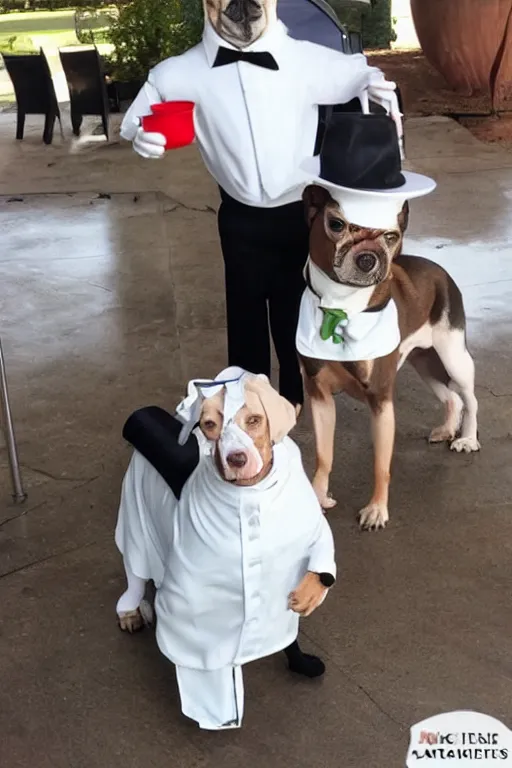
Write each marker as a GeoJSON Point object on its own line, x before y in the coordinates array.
{"type": "Point", "coordinates": [147, 31]}
{"type": "Point", "coordinates": [375, 24]}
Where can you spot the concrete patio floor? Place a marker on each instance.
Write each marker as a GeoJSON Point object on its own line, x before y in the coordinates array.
{"type": "Point", "coordinates": [111, 298]}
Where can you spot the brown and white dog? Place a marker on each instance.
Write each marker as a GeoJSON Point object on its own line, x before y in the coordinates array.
{"type": "Point", "coordinates": [433, 338]}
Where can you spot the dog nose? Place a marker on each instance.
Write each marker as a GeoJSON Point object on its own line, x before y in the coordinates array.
{"type": "Point", "coordinates": [366, 262]}
{"type": "Point", "coordinates": [237, 460]}
{"type": "Point", "coordinates": [243, 10]}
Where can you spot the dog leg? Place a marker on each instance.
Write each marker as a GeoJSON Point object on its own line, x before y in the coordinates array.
{"type": "Point", "coordinates": [323, 411]}
{"type": "Point", "coordinates": [453, 405]}
{"type": "Point", "coordinates": [429, 366]}
{"type": "Point", "coordinates": [451, 347]}
{"type": "Point", "coordinates": [132, 610]}
{"type": "Point", "coordinates": [375, 515]}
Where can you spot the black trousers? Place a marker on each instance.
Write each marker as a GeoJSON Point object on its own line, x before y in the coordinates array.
{"type": "Point", "coordinates": [264, 251]}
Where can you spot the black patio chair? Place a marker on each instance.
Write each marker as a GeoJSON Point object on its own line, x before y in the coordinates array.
{"type": "Point", "coordinates": [87, 86]}
{"type": "Point", "coordinates": [34, 90]}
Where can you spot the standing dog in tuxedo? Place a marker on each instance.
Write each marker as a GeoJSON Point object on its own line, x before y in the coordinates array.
{"type": "Point", "coordinates": [367, 308]}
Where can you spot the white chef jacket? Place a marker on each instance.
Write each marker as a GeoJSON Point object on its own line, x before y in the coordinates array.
{"type": "Point", "coordinates": [254, 126]}
{"type": "Point", "coordinates": [224, 558]}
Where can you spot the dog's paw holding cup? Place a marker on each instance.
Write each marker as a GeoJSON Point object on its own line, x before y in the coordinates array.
{"type": "Point", "coordinates": [149, 145]}
{"type": "Point", "coordinates": [170, 126]}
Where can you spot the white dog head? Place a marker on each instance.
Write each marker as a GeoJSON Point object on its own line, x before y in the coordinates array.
{"type": "Point", "coordinates": [242, 416]}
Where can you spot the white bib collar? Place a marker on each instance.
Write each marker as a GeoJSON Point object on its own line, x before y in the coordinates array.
{"type": "Point", "coordinates": [361, 335]}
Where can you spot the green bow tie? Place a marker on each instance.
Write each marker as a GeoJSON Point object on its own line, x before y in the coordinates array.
{"type": "Point", "coordinates": [332, 318]}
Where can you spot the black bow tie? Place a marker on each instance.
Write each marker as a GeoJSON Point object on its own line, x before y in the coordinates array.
{"type": "Point", "coordinates": [230, 56]}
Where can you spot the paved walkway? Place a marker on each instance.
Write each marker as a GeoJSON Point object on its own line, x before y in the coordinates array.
{"type": "Point", "coordinates": [111, 298]}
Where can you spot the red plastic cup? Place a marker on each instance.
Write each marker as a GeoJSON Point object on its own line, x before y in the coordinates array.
{"type": "Point", "coordinates": [173, 119]}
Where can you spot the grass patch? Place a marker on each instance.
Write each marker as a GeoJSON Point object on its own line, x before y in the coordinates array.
{"type": "Point", "coordinates": [27, 32]}
{"type": "Point", "coordinates": [33, 23]}
{"type": "Point", "coordinates": [55, 38]}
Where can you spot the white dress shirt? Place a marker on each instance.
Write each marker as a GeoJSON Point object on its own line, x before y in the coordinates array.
{"type": "Point", "coordinates": [254, 126]}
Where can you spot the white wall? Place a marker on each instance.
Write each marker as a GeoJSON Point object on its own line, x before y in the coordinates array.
{"type": "Point", "coordinates": [404, 27]}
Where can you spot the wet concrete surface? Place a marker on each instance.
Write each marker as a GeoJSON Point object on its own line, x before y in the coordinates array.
{"type": "Point", "coordinates": [111, 298]}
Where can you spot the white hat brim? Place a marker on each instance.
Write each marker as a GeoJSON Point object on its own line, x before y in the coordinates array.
{"type": "Point", "coordinates": [416, 185]}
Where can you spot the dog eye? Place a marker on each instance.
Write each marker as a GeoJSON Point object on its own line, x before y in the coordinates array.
{"type": "Point", "coordinates": [391, 237]}
{"type": "Point", "coordinates": [336, 225]}
{"type": "Point", "coordinates": [253, 421]}
{"type": "Point", "coordinates": [209, 425]}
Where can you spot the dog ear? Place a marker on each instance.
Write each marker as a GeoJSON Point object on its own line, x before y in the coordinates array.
{"type": "Point", "coordinates": [315, 199]}
{"type": "Point", "coordinates": [280, 413]}
{"type": "Point", "coordinates": [403, 217]}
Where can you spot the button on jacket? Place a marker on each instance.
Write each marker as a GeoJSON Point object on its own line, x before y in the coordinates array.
{"type": "Point", "coordinates": [254, 126]}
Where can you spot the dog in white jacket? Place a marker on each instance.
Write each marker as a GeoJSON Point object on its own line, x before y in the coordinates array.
{"type": "Point", "coordinates": [234, 539]}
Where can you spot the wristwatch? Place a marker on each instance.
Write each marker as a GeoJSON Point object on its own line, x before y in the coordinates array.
{"type": "Point", "coordinates": [326, 579]}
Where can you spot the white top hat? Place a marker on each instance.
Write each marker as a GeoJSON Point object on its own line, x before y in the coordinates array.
{"type": "Point", "coordinates": [360, 165]}
{"type": "Point", "coordinates": [375, 208]}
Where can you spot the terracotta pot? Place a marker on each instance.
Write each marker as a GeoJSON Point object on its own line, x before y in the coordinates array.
{"type": "Point", "coordinates": [469, 43]}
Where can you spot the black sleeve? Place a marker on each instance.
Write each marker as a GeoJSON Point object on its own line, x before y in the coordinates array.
{"type": "Point", "coordinates": [154, 433]}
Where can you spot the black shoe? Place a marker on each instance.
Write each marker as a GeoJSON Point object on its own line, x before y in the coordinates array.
{"type": "Point", "coordinates": [304, 663]}
{"type": "Point", "coordinates": [309, 666]}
